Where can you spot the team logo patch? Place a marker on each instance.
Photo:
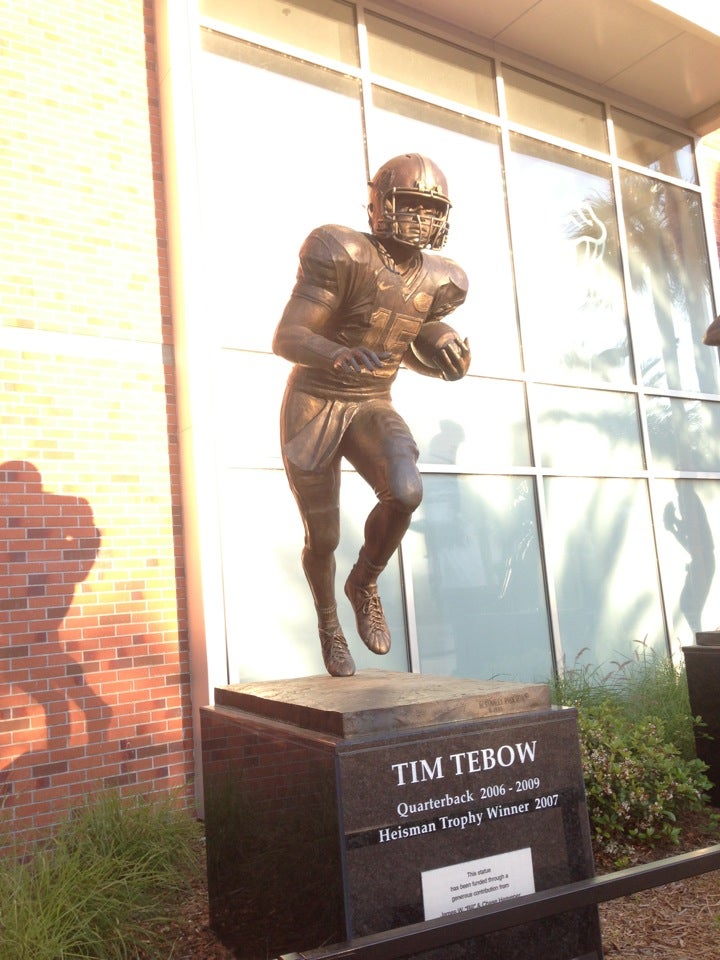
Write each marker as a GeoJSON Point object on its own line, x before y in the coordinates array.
{"type": "Point", "coordinates": [422, 302]}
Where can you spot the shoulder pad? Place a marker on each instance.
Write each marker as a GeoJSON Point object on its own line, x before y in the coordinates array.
{"type": "Point", "coordinates": [336, 239]}
{"type": "Point", "coordinates": [451, 285]}
{"type": "Point", "coordinates": [455, 275]}
{"type": "Point", "coordinates": [329, 258]}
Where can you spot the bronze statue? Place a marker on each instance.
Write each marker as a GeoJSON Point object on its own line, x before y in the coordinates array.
{"type": "Point", "coordinates": [711, 337]}
{"type": "Point", "coordinates": [364, 303]}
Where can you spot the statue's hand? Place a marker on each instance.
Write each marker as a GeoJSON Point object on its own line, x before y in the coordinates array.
{"type": "Point", "coordinates": [357, 359]}
{"type": "Point", "coordinates": [453, 358]}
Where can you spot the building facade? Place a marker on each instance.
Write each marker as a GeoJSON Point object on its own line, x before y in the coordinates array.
{"type": "Point", "coordinates": [164, 162]}
{"type": "Point", "coordinates": [94, 681]}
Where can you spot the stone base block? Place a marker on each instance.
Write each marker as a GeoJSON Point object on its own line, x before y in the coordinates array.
{"type": "Point", "coordinates": [341, 808]}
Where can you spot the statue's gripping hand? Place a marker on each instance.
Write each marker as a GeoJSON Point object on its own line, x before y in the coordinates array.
{"type": "Point", "coordinates": [453, 358]}
{"type": "Point", "coordinates": [357, 360]}
{"type": "Point", "coordinates": [440, 348]}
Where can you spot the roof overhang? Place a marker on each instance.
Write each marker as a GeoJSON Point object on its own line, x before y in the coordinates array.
{"type": "Point", "coordinates": [640, 51]}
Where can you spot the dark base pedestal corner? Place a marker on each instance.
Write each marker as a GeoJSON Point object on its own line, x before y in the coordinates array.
{"type": "Point", "coordinates": [340, 808]}
{"type": "Point", "coordinates": [702, 667]}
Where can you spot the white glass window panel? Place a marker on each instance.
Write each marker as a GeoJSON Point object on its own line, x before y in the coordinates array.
{"type": "Point", "coordinates": [650, 145]}
{"type": "Point", "coordinates": [326, 27]}
{"type": "Point", "coordinates": [555, 110]}
{"type": "Point", "coordinates": [604, 568]}
{"type": "Point", "coordinates": [263, 189]}
{"type": "Point", "coordinates": [473, 423]}
{"type": "Point", "coordinates": [468, 153]}
{"type": "Point", "coordinates": [248, 388]}
{"type": "Point", "coordinates": [427, 63]}
{"type": "Point", "coordinates": [473, 554]}
{"type": "Point", "coordinates": [587, 430]}
{"type": "Point", "coordinates": [688, 513]}
{"type": "Point", "coordinates": [569, 278]}
{"type": "Point", "coordinates": [271, 627]}
{"type": "Point", "coordinates": [671, 300]}
{"type": "Point", "coordinates": [684, 434]}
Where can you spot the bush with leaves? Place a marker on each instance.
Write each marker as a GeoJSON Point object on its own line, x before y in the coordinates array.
{"type": "Point", "coordinates": [637, 783]}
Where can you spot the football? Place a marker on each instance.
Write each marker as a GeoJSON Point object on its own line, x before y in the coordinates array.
{"type": "Point", "coordinates": [433, 335]}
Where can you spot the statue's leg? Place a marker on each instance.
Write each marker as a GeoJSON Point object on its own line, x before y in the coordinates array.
{"type": "Point", "coordinates": [317, 494]}
{"type": "Point", "coordinates": [382, 450]}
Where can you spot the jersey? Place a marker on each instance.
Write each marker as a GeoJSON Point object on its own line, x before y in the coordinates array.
{"type": "Point", "coordinates": [371, 305]}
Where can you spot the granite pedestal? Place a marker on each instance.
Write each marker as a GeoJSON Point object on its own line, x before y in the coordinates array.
{"type": "Point", "coordinates": [702, 667]}
{"type": "Point", "coordinates": [337, 808]}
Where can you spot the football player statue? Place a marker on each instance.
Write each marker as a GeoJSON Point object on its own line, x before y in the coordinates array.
{"type": "Point", "coordinates": [363, 304]}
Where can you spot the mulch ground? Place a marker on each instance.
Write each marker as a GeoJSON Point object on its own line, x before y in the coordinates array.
{"type": "Point", "coordinates": [678, 921]}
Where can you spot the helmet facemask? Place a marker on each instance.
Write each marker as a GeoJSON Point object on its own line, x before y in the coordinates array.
{"type": "Point", "coordinates": [409, 202]}
{"type": "Point", "coordinates": [417, 219]}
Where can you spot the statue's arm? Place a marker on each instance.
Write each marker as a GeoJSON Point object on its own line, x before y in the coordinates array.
{"type": "Point", "coordinates": [300, 338]}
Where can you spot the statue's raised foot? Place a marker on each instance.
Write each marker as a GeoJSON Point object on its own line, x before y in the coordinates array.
{"type": "Point", "coordinates": [369, 615]}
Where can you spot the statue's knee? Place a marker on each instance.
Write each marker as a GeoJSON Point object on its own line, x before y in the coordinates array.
{"type": "Point", "coordinates": [409, 496]}
{"type": "Point", "coordinates": [415, 498]}
{"type": "Point", "coordinates": [322, 538]}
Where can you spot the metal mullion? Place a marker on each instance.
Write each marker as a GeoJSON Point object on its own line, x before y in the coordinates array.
{"type": "Point", "coordinates": [682, 395]}
{"type": "Point", "coordinates": [496, 470]}
{"type": "Point", "coordinates": [366, 100]}
{"type": "Point", "coordinates": [597, 386]}
{"type": "Point", "coordinates": [637, 373]}
{"type": "Point", "coordinates": [408, 596]}
{"type": "Point", "coordinates": [533, 133]}
{"type": "Point", "coordinates": [277, 46]}
{"type": "Point", "coordinates": [415, 93]}
{"type": "Point", "coordinates": [545, 551]}
{"type": "Point", "coordinates": [627, 286]}
{"type": "Point", "coordinates": [657, 175]}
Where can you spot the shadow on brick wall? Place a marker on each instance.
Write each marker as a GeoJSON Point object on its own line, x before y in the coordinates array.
{"type": "Point", "coordinates": [50, 715]}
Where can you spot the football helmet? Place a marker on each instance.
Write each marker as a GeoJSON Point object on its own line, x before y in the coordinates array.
{"type": "Point", "coordinates": [409, 202]}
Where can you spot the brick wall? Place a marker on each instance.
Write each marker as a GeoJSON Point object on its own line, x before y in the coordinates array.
{"type": "Point", "coordinates": [94, 673]}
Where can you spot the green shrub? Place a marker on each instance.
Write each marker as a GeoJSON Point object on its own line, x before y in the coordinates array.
{"type": "Point", "coordinates": [653, 686]}
{"type": "Point", "coordinates": [102, 887]}
{"type": "Point", "coordinates": [647, 686]}
{"type": "Point", "coordinates": [637, 784]}
{"type": "Point", "coordinates": [583, 685]}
